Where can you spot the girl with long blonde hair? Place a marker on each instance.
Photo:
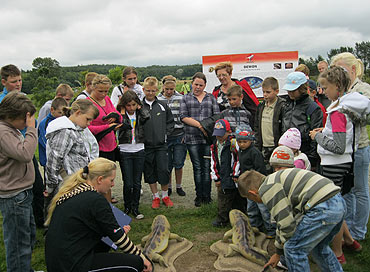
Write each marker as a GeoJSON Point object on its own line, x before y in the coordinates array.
{"type": "Point", "coordinates": [79, 216]}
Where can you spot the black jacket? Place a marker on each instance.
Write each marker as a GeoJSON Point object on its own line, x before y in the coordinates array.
{"type": "Point", "coordinates": [222, 170]}
{"type": "Point", "coordinates": [276, 122]}
{"type": "Point", "coordinates": [251, 159]}
{"type": "Point", "coordinates": [125, 134]}
{"type": "Point", "coordinates": [160, 124]}
{"type": "Point", "coordinates": [305, 115]}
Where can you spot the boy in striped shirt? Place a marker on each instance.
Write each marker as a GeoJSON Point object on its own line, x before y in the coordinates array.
{"type": "Point", "coordinates": [308, 210]}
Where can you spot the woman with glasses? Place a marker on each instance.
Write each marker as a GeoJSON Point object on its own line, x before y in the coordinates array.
{"type": "Point", "coordinates": [223, 72]}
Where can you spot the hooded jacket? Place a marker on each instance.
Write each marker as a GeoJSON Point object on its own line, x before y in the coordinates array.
{"type": "Point", "coordinates": [69, 148]}
{"type": "Point", "coordinates": [16, 152]}
{"type": "Point", "coordinates": [355, 108]}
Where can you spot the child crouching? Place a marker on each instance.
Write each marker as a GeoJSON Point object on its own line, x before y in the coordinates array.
{"type": "Point", "coordinates": [308, 210]}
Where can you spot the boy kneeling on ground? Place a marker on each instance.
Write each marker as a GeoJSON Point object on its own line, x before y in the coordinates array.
{"type": "Point", "coordinates": [308, 210]}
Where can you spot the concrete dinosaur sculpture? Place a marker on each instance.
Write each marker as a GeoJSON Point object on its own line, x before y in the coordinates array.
{"type": "Point", "coordinates": [243, 239]}
{"type": "Point", "coordinates": [157, 240]}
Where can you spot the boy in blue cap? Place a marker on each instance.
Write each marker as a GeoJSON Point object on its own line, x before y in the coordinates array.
{"type": "Point", "coordinates": [222, 172]}
{"type": "Point", "coordinates": [302, 113]}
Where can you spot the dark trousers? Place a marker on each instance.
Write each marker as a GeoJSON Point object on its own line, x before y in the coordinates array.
{"type": "Point", "coordinates": [200, 156]}
{"type": "Point", "coordinates": [156, 165]}
{"type": "Point", "coordinates": [132, 167]}
{"type": "Point", "coordinates": [38, 196]}
{"type": "Point", "coordinates": [227, 200]}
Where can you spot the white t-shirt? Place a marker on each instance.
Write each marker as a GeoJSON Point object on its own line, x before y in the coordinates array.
{"type": "Point", "coordinates": [133, 147]}
{"type": "Point", "coordinates": [116, 93]}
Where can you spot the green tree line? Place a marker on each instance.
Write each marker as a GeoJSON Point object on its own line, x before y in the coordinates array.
{"type": "Point", "coordinates": [46, 73]}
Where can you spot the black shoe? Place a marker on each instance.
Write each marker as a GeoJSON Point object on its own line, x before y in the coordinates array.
{"type": "Point", "coordinates": [127, 211]}
{"type": "Point", "coordinates": [219, 224]}
{"type": "Point", "coordinates": [137, 214]}
{"type": "Point", "coordinates": [198, 202]}
{"type": "Point", "coordinates": [169, 191]}
{"type": "Point", "coordinates": [180, 192]}
{"type": "Point", "coordinates": [206, 200]}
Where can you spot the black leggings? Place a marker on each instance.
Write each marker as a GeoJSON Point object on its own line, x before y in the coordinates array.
{"type": "Point", "coordinates": [116, 262]}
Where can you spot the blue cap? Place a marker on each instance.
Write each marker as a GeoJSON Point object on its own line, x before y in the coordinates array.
{"type": "Point", "coordinates": [294, 80]}
{"type": "Point", "coordinates": [244, 132]}
{"type": "Point", "coordinates": [221, 127]}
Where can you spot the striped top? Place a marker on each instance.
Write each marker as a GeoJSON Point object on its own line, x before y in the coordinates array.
{"type": "Point", "coordinates": [174, 104]}
{"type": "Point", "coordinates": [289, 194]}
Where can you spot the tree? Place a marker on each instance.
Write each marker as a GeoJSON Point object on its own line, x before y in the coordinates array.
{"type": "Point", "coordinates": [115, 74]}
{"type": "Point", "coordinates": [342, 49]}
{"type": "Point", "coordinates": [45, 78]}
{"type": "Point", "coordinates": [46, 67]}
{"type": "Point", "coordinates": [362, 51]}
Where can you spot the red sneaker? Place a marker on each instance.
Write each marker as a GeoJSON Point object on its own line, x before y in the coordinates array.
{"type": "Point", "coordinates": [341, 259]}
{"type": "Point", "coordinates": [156, 203]}
{"type": "Point", "coordinates": [167, 201]}
{"type": "Point", "coordinates": [355, 246]}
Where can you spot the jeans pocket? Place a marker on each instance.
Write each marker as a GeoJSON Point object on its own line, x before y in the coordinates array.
{"type": "Point", "coordinates": [21, 197]}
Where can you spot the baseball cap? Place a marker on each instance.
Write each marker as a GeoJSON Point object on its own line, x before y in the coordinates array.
{"type": "Point", "coordinates": [294, 80]}
{"type": "Point", "coordinates": [312, 84]}
{"type": "Point", "coordinates": [244, 132]}
{"type": "Point", "coordinates": [221, 127]}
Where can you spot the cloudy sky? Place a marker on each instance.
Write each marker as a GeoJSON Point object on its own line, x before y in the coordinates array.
{"type": "Point", "coordinates": [145, 32]}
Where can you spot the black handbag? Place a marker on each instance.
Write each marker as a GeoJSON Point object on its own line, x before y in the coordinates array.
{"type": "Point", "coordinates": [349, 176]}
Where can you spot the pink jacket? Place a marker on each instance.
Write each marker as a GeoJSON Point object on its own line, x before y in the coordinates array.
{"type": "Point", "coordinates": [109, 142]}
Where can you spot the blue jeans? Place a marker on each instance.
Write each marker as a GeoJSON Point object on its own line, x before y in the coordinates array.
{"type": "Point", "coordinates": [259, 214]}
{"type": "Point", "coordinates": [313, 235]}
{"type": "Point", "coordinates": [358, 204]}
{"type": "Point", "coordinates": [200, 156]}
{"type": "Point", "coordinates": [176, 152]}
{"type": "Point", "coordinates": [19, 230]}
{"type": "Point", "coordinates": [132, 167]}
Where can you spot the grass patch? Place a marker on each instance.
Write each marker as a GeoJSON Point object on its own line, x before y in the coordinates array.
{"type": "Point", "coordinates": [190, 223]}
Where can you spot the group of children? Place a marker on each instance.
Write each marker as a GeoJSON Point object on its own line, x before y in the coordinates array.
{"type": "Point", "coordinates": [155, 132]}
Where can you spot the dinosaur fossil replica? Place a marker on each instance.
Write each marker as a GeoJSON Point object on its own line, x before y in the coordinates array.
{"type": "Point", "coordinates": [243, 239]}
{"type": "Point", "coordinates": [157, 240]}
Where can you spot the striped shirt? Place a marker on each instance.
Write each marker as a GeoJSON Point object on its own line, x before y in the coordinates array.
{"type": "Point", "coordinates": [289, 194]}
{"type": "Point", "coordinates": [191, 107]}
{"type": "Point", "coordinates": [174, 104]}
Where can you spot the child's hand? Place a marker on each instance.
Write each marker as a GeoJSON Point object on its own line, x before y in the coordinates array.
{"type": "Point", "coordinates": [218, 183]}
{"type": "Point", "coordinates": [110, 120]}
{"type": "Point", "coordinates": [30, 120]}
{"type": "Point", "coordinates": [118, 127]}
{"type": "Point", "coordinates": [273, 261]}
{"type": "Point", "coordinates": [314, 132]}
{"type": "Point", "coordinates": [127, 228]}
{"type": "Point", "coordinates": [203, 131]}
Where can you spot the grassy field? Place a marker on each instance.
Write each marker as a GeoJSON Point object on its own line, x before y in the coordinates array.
{"type": "Point", "coordinates": [189, 223]}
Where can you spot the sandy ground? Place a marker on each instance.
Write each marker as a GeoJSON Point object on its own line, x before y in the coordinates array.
{"type": "Point", "coordinates": [187, 184]}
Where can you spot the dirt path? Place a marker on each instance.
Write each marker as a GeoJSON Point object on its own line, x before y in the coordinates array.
{"type": "Point", "coordinates": [187, 184]}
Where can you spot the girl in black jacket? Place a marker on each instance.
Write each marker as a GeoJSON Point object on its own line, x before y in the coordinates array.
{"type": "Point", "coordinates": [131, 145]}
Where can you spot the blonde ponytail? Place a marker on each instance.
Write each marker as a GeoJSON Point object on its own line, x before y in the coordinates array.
{"type": "Point", "coordinates": [96, 168]}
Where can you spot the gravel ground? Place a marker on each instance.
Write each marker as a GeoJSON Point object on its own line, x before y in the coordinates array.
{"type": "Point", "coordinates": [187, 184]}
